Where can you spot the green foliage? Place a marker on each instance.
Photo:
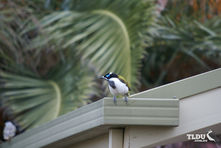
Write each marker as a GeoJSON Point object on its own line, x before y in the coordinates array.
{"type": "Point", "coordinates": [179, 39]}
{"type": "Point", "coordinates": [36, 100]}
{"type": "Point", "coordinates": [103, 33]}
{"type": "Point", "coordinates": [38, 86]}
{"type": "Point", "coordinates": [49, 61]}
{"type": "Point", "coordinates": [51, 51]}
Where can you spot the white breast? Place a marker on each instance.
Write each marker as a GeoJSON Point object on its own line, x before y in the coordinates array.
{"type": "Point", "coordinates": [9, 130]}
{"type": "Point", "coordinates": [121, 88]}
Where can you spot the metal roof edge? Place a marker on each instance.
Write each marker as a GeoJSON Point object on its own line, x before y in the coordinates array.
{"type": "Point", "coordinates": [185, 87]}
{"type": "Point", "coordinates": [97, 114]}
{"type": "Point", "coordinates": [103, 114]}
{"type": "Point", "coordinates": [82, 119]}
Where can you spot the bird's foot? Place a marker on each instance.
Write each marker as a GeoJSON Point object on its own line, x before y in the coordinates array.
{"type": "Point", "coordinates": [126, 99]}
{"type": "Point", "coordinates": [115, 100]}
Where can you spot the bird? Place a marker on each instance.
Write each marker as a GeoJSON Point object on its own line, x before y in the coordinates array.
{"type": "Point", "coordinates": [117, 85]}
{"type": "Point", "coordinates": [209, 137]}
{"type": "Point", "coordinates": [9, 131]}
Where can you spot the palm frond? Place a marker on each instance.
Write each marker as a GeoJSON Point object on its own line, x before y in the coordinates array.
{"type": "Point", "coordinates": [27, 95]}
{"type": "Point", "coordinates": [189, 38]}
{"type": "Point", "coordinates": [38, 85]}
{"type": "Point", "coordinates": [108, 35]}
{"type": "Point", "coordinates": [36, 100]}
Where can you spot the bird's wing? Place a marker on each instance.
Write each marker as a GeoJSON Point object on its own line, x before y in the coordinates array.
{"type": "Point", "coordinates": [122, 79]}
{"type": "Point", "coordinates": [112, 84]}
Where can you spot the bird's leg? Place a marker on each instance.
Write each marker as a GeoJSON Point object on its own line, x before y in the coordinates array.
{"type": "Point", "coordinates": [126, 99]}
{"type": "Point", "coordinates": [115, 100]}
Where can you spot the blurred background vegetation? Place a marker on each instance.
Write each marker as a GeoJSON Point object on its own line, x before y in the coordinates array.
{"type": "Point", "coordinates": [51, 51]}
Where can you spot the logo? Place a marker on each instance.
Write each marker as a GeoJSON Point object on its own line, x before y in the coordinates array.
{"type": "Point", "coordinates": [209, 137]}
{"type": "Point", "coordinates": [201, 137]}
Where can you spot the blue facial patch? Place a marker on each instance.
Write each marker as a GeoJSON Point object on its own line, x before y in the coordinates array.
{"type": "Point", "coordinates": [107, 76]}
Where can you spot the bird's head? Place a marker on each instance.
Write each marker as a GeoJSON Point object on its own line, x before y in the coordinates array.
{"type": "Point", "coordinates": [109, 75]}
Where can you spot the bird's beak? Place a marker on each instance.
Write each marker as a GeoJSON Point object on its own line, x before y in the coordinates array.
{"type": "Point", "coordinates": [101, 77]}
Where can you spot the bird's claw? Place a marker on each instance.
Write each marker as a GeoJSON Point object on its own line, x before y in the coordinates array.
{"type": "Point", "coordinates": [115, 100]}
{"type": "Point", "coordinates": [126, 99]}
